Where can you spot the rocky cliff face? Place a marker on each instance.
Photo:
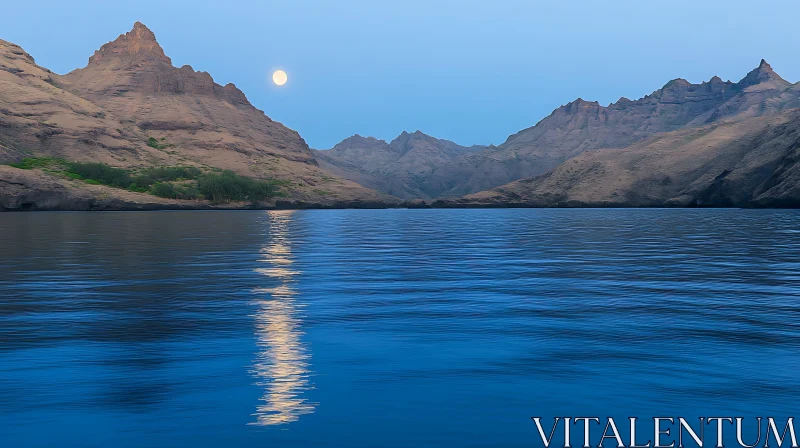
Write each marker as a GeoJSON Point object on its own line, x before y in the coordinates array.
{"type": "Point", "coordinates": [406, 167]}
{"type": "Point", "coordinates": [130, 93]}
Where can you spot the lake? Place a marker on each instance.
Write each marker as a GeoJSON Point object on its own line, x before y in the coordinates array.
{"type": "Point", "coordinates": [394, 328]}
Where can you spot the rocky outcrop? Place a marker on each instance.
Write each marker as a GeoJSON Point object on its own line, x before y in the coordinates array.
{"type": "Point", "coordinates": [140, 43]}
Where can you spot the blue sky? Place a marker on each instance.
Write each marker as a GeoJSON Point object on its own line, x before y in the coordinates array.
{"type": "Point", "coordinates": [469, 71]}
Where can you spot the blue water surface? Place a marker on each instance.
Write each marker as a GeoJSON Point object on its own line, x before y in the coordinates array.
{"type": "Point", "coordinates": [389, 328]}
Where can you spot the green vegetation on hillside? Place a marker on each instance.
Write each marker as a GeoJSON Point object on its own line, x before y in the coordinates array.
{"type": "Point", "coordinates": [38, 162]}
{"type": "Point", "coordinates": [173, 191]}
{"type": "Point", "coordinates": [217, 186]}
{"type": "Point", "coordinates": [100, 173]}
{"type": "Point", "coordinates": [153, 143]}
{"type": "Point", "coordinates": [229, 186]}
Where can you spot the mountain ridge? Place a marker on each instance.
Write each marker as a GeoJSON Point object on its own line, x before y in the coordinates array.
{"type": "Point", "coordinates": [580, 125]}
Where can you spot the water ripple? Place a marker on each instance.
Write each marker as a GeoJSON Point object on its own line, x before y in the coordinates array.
{"type": "Point", "coordinates": [426, 327]}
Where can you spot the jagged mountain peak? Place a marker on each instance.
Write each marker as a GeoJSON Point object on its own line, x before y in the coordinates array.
{"type": "Point", "coordinates": [135, 62]}
{"type": "Point", "coordinates": [763, 73]}
{"type": "Point", "coordinates": [400, 144]}
{"type": "Point", "coordinates": [140, 43]}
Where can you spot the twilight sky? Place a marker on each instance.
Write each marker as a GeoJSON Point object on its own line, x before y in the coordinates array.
{"type": "Point", "coordinates": [466, 70]}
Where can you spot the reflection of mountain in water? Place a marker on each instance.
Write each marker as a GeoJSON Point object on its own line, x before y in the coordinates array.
{"type": "Point", "coordinates": [282, 365]}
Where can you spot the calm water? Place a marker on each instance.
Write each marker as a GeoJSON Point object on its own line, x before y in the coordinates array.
{"type": "Point", "coordinates": [406, 328]}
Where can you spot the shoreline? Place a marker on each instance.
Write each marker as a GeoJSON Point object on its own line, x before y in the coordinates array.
{"type": "Point", "coordinates": [288, 205]}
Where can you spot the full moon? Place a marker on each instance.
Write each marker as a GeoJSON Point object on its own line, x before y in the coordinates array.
{"type": "Point", "coordinates": [279, 77]}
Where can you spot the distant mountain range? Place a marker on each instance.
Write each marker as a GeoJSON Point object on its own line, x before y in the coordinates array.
{"type": "Point", "coordinates": [409, 167]}
{"type": "Point", "coordinates": [717, 143]}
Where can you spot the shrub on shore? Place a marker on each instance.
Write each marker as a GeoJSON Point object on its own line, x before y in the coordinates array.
{"type": "Point", "coordinates": [172, 191]}
{"type": "Point", "coordinates": [150, 176]}
{"type": "Point", "coordinates": [217, 186]}
{"type": "Point", "coordinates": [101, 173]}
{"type": "Point", "coordinates": [142, 180]}
{"type": "Point", "coordinates": [229, 187]}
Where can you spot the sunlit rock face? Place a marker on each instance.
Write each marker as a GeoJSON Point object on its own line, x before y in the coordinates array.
{"type": "Point", "coordinates": [282, 364]}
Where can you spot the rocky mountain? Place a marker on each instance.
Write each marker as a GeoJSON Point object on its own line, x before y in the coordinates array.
{"type": "Point", "coordinates": [407, 167]}
{"type": "Point", "coordinates": [744, 152]}
{"type": "Point", "coordinates": [742, 163]}
{"type": "Point", "coordinates": [581, 126]}
{"type": "Point", "coordinates": [129, 96]}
